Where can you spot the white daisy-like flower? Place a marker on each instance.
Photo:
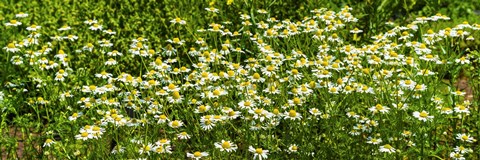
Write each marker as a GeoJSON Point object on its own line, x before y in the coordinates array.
{"type": "Point", "coordinates": [292, 115]}
{"type": "Point", "coordinates": [465, 138]}
{"type": "Point", "coordinates": [33, 27]}
{"type": "Point", "coordinates": [21, 15]}
{"type": "Point", "coordinates": [423, 116]}
{"type": "Point", "coordinates": [48, 142]}
{"type": "Point", "coordinates": [197, 155]}
{"type": "Point", "coordinates": [175, 124]}
{"type": "Point", "coordinates": [258, 153]}
{"type": "Point", "coordinates": [178, 21]}
{"type": "Point", "coordinates": [13, 23]}
{"type": "Point", "coordinates": [226, 146]}
{"type": "Point", "coordinates": [387, 148]}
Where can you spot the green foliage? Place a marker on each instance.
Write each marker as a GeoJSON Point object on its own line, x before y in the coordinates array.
{"type": "Point", "coordinates": [348, 91]}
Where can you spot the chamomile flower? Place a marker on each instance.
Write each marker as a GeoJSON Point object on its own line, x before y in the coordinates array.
{"type": "Point", "coordinates": [90, 21]}
{"type": "Point", "coordinates": [356, 30]}
{"type": "Point", "coordinates": [48, 142]}
{"type": "Point", "coordinates": [422, 116]}
{"type": "Point", "coordinates": [456, 156]}
{"type": "Point", "coordinates": [109, 31]}
{"type": "Point", "coordinates": [178, 21]}
{"type": "Point", "coordinates": [146, 149]}
{"type": "Point", "coordinates": [226, 146]}
{"type": "Point", "coordinates": [292, 115]}
{"type": "Point", "coordinates": [197, 155]}
{"type": "Point", "coordinates": [462, 60]}
{"type": "Point", "coordinates": [260, 114]}
{"type": "Point", "coordinates": [21, 15]}
{"type": "Point", "coordinates": [33, 27]}
{"type": "Point", "coordinates": [11, 47]}
{"type": "Point", "coordinates": [458, 93]}
{"type": "Point", "coordinates": [293, 148]}
{"type": "Point", "coordinates": [176, 41]}
{"type": "Point", "coordinates": [74, 116]}
{"type": "Point", "coordinates": [258, 153]}
{"type": "Point", "coordinates": [104, 75]}
{"type": "Point", "coordinates": [13, 23]}
{"type": "Point", "coordinates": [465, 138]}
{"type": "Point", "coordinates": [183, 135]}
{"type": "Point", "coordinates": [65, 28]}
{"type": "Point", "coordinates": [375, 141]}
{"type": "Point", "coordinates": [246, 104]}
{"type": "Point", "coordinates": [110, 62]}
{"type": "Point", "coordinates": [84, 135]}
{"type": "Point", "coordinates": [161, 118]}
{"type": "Point", "coordinates": [460, 108]}
{"type": "Point", "coordinates": [387, 148]}
{"type": "Point", "coordinates": [175, 124]}
{"type": "Point", "coordinates": [212, 9]}
{"type": "Point", "coordinates": [379, 108]}
{"type": "Point", "coordinates": [175, 97]}
{"type": "Point", "coordinates": [71, 37]}
{"type": "Point", "coordinates": [463, 150]}
{"type": "Point", "coordinates": [96, 27]}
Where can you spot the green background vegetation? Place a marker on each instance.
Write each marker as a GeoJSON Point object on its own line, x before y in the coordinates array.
{"type": "Point", "coordinates": [150, 19]}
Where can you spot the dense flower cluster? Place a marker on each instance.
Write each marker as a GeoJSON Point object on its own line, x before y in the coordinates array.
{"type": "Point", "coordinates": [267, 88]}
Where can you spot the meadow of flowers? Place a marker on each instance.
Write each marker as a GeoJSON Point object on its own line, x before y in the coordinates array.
{"type": "Point", "coordinates": [318, 87]}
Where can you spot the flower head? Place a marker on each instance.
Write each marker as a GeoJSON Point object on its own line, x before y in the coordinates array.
{"type": "Point", "coordinates": [423, 116]}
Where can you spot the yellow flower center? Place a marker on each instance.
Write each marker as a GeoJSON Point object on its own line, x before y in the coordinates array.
{"type": "Point", "coordinates": [256, 76]}
{"type": "Point", "coordinates": [204, 74]}
{"type": "Point", "coordinates": [387, 146]}
{"type": "Point", "coordinates": [163, 141]}
{"type": "Point", "coordinates": [333, 89]}
{"type": "Point", "coordinates": [294, 71]}
{"type": "Point", "coordinates": [171, 86]}
{"type": "Point", "coordinates": [325, 72]}
{"type": "Point", "coordinates": [176, 40]}
{"type": "Point", "coordinates": [216, 92]}
{"type": "Point", "coordinates": [424, 114]}
{"type": "Point", "coordinates": [270, 68]}
{"type": "Point", "coordinates": [197, 154]}
{"type": "Point", "coordinates": [160, 149]}
{"type": "Point", "coordinates": [11, 45]}
{"type": "Point", "coordinates": [259, 151]}
{"type": "Point", "coordinates": [163, 116]}
{"type": "Point", "coordinates": [258, 111]}
{"type": "Point", "coordinates": [202, 108]}
{"type": "Point", "coordinates": [176, 95]}
{"type": "Point", "coordinates": [226, 145]}
{"type": "Point", "coordinates": [175, 124]}
{"type": "Point", "coordinates": [408, 82]}
{"type": "Point", "coordinates": [418, 87]}
{"type": "Point", "coordinates": [292, 113]}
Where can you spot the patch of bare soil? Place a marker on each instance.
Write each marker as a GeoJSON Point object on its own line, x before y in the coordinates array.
{"type": "Point", "coordinates": [19, 153]}
{"type": "Point", "coordinates": [463, 85]}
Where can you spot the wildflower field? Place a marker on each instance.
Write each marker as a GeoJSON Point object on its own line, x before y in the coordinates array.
{"type": "Point", "coordinates": [233, 79]}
